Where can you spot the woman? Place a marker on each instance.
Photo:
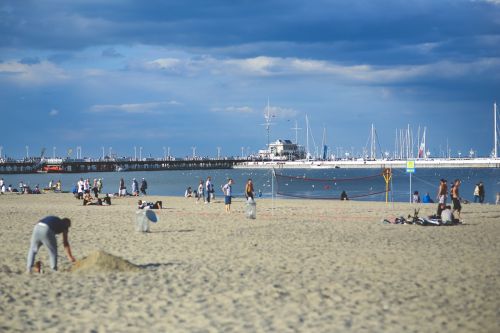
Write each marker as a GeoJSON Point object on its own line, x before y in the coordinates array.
{"type": "Point", "coordinates": [249, 189]}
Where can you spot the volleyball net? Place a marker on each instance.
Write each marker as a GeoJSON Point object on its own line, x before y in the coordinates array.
{"type": "Point", "coordinates": [375, 186]}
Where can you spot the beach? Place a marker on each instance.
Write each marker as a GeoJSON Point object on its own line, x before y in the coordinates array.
{"type": "Point", "coordinates": [300, 266]}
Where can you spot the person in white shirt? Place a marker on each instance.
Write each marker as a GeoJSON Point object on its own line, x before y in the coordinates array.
{"type": "Point", "coordinates": [227, 190]}
{"type": "Point", "coordinates": [209, 188]}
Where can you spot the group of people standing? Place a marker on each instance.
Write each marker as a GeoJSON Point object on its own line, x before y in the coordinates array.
{"type": "Point", "coordinates": [205, 191]}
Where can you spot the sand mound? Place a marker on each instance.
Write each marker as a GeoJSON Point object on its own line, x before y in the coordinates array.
{"type": "Point", "coordinates": [100, 261]}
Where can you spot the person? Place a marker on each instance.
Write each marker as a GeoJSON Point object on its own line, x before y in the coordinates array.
{"type": "Point", "coordinates": [144, 186]}
{"type": "Point", "coordinates": [343, 196]}
{"type": "Point", "coordinates": [141, 204]}
{"type": "Point", "coordinates": [442, 191]}
{"type": "Point", "coordinates": [249, 191]}
{"type": "Point", "coordinates": [447, 215]}
{"type": "Point", "coordinates": [416, 197]}
{"type": "Point", "coordinates": [189, 192]}
{"type": "Point", "coordinates": [209, 188]}
{"type": "Point", "coordinates": [106, 201]}
{"type": "Point", "coordinates": [44, 233]}
{"type": "Point", "coordinates": [440, 209]}
{"type": "Point", "coordinates": [481, 192]}
{"type": "Point", "coordinates": [37, 189]}
{"type": "Point", "coordinates": [80, 185]}
{"type": "Point", "coordinates": [497, 201]}
{"type": "Point", "coordinates": [87, 199]}
{"type": "Point", "coordinates": [455, 195]}
{"type": "Point", "coordinates": [58, 186]}
{"type": "Point", "coordinates": [95, 189]}
{"type": "Point", "coordinates": [227, 190]}
{"type": "Point", "coordinates": [122, 190]}
{"type": "Point", "coordinates": [135, 187]}
{"type": "Point", "coordinates": [427, 198]}
{"type": "Point", "coordinates": [201, 192]}
{"type": "Point", "coordinates": [99, 185]}
{"type": "Point", "coordinates": [476, 193]}
{"type": "Point", "coordinates": [260, 193]}
{"type": "Point", "coordinates": [2, 186]}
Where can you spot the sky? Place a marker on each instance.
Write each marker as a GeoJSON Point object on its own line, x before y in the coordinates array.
{"type": "Point", "coordinates": [191, 76]}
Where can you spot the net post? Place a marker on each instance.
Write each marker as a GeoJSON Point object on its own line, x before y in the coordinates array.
{"type": "Point", "coordinates": [387, 177]}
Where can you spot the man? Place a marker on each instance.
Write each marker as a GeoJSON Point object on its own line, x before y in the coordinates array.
{"type": "Point", "coordinates": [455, 197]}
{"type": "Point", "coordinates": [442, 191]}
{"type": "Point", "coordinates": [209, 188]}
{"type": "Point", "coordinates": [45, 232]}
{"type": "Point", "coordinates": [481, 192]}
{"type": "Point", "coordinates": [227, 194]}
{"type": "Point", "coordinates": [144, 186]}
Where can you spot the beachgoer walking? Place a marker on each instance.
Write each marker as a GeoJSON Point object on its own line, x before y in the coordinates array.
{"type": "Point", "coordinates": [99, 185]}
{"type": "Point", "coordinates": [135, 187]}
{"type": "Point", "coordinates": [144, 186]}
{"type": "Point", "coordinates": [249, 190]}
{"type": "Point", "coordinates": [209, 188]}
{"type": "Point", "coordinates": [227, 190]}
{"type": "Point", "coordinates": [455, 196]}
{"type": "Point", "coordinates": [481, 192]}
{"type": "Point", "coordinates": [201, 192]}
{"type": "Point", "coordinates": [122, 190]}
{"type": "Point", "coordinates": [476, 193]}
{"type": "Point", "coordinates": [2, 186]}
{"type": "Point", "coordinates": [45, 232]}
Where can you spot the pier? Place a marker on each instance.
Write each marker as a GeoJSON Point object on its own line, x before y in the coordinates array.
{"type": "Point", "coordinates": [83, 166]}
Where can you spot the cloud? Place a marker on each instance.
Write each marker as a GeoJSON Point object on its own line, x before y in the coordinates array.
{"type": "Point", "coordinates": [263, 66]}
{"type": "Point", "coordinates": [36, 73]}
{"type": "Point", "coordinates": [280, 112]}
{"type": "Point", "coordinates": [53, 112]}
{"type": "Point", "coordinates": [234, 109]}
{"type": "Point", "coordinates": [136, 108]}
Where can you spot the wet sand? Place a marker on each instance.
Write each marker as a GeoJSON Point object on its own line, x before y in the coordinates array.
{"type": "Point", "coordinates": [302, 266]}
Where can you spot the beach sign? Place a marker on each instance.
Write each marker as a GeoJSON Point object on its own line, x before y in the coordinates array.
{"type": "Point", "coordinates": [410, 166]}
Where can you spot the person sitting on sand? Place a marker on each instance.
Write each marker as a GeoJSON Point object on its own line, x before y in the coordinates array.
{"type": "Point", "coordinates": [427, 198]}
{"type": "Point", "coordinates": [447, 216]}
{"type": "Point", "coordinates": [189, 192]}
{"type": "Point", "coordinates": [149, 205]}
{"type": "Point", "coordinates": [106, 201]}
{"type": "Point", "coordinates": [45, 232]}
{"type": "Point", "coordinates": [343, 196]}
{"type": "Point", "coordinates": [88, 199]}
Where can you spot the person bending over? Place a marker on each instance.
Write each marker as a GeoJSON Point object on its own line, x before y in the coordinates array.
{"type": "Point", "coordinates": [44, 233]}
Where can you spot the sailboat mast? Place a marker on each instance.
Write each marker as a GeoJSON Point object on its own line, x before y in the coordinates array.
{"type": "Point", "coordinates": [307, 138]}
{"type": "Point", "coordinates": [495, 132]}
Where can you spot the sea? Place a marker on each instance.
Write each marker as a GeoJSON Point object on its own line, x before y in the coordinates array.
{"type": "Point", "coordinates": [359, 184]}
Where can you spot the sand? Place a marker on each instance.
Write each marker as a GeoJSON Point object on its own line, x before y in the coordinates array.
{"type": "Point", "coordinates": [304, 266]}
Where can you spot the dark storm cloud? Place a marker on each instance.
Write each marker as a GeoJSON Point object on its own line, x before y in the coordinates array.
{"type": "Point", "coordinates": [360, 31]}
